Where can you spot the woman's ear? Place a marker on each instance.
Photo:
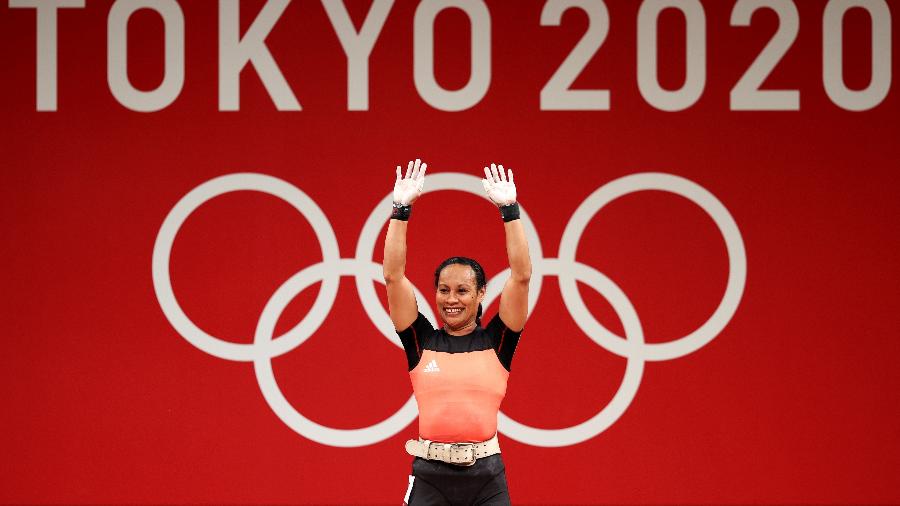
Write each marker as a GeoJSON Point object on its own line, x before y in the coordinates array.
{"type": "Point", "coordinates": [481, 294]}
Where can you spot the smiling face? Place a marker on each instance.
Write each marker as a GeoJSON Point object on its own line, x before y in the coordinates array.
{"type": "Point", "coordinates": [457, 298]}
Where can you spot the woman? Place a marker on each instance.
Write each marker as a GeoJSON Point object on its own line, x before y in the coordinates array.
{"type": "Point", "coordinates": [459, 371]}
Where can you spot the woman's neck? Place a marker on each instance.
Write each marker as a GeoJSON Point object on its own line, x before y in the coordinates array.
{"type": "Point", "coordinates": [461, 331]}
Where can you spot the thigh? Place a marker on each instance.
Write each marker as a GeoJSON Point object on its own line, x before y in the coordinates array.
{"type": "Point", "coordinates": [495, 492]}
{"type": "Point", "coordinates": [422, 493]}
{"type": "Point", "coordinates": [427, 484]}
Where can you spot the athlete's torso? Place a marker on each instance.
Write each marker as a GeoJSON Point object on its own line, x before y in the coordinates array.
{"type": "Point", "coordinates": [459, 381]}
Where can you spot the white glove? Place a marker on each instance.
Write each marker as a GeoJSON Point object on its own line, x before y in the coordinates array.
{"type": "Point", "coordinates": [407, 189]}
{"type": "Point", "coordinates": [499, 190]}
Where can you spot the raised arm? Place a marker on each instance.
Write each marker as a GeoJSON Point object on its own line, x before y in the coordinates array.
{"type": "Point", "coordinates": [401, 298]}
{"type": "Point", "coordinates": [514, 298]}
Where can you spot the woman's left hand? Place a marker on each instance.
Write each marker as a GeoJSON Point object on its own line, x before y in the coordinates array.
{"type": "Point", "coordinates": [500, 190]}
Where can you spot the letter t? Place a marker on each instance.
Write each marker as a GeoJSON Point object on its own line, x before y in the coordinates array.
{"type": "Point", "coordinates": [46, 45]}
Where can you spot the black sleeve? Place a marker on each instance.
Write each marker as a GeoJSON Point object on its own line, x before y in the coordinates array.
{"type": "Point", "coordinates": [503, 340]}
{"type": "Point", "coordinates": [413, 339]}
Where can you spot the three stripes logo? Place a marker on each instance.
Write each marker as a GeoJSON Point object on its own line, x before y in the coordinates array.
{"type": "Point", "coordinates": [432, 367]}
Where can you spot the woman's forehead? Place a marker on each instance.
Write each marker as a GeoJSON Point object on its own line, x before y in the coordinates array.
{"type": "Point", "coordinates": [457, 274]}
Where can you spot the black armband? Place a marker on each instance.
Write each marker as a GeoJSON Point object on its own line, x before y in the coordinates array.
{"type": "Point", "coordinates": [401, 212]}
{"type": "Point", "coordinates": [510, 212]}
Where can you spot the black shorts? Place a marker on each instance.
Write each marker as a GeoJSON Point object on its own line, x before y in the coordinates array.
{"type": "Point", "coordinates": [439, 483]}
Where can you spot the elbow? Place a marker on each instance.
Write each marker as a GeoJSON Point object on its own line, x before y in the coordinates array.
{"type": "Point", "coordinates": [391, 277]}
{"type": "Point", "coordinates": [522, 276]}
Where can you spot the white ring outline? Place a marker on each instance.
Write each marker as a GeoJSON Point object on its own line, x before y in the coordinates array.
{"type": "Point", "coordinates": [162, 251]}
{"type": "Point", "coordinates": [265, 376]}
{"type": "Point", "coordinates": [634, 368]}
{"type": "Point", "coordinates": [734, 245]}
{"type": "Point", "coordinates": [264, 347]}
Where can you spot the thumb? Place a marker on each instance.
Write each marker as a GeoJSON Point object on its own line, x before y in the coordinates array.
{"type": "Point", "coordinates": [487, 185]}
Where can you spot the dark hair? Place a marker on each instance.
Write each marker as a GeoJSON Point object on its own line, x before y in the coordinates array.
{"type": "Point", "coordinates": [480, 281]}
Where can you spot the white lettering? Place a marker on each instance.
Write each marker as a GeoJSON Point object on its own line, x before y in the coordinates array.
{"type": "Point", "coordinates": [695, 54]}
{"type": "Point", "coordinates": [45, 79]}
{"type": "Point", "coordinates": [357, 46]}
{"type": "Point", "coordinates": [557, 94]}
{"type": "Point", "coordinates": [746, 94]}
{"type": "Point", "coordinates": [833, 54]}
{"type": "Point", "coordinates": [423, 55]}
{"type": "Point", "coordinates": [117, 55]}
{"type": "Point", "coordinates": [235, 52]}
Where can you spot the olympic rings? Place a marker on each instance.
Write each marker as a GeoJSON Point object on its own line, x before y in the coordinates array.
{"type": "Point", "coordinates": [265, 346]}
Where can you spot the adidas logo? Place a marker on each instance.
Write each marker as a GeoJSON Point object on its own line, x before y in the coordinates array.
{"type": "Point", "coordinates": [432, 367]}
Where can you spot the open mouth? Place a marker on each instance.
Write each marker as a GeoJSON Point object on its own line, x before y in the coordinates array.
{"type": "Point", "coordinates": [453, 310]}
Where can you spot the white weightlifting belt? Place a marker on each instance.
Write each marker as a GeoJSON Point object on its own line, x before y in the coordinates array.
{"type": "Point", "coordinates": [461, 454]}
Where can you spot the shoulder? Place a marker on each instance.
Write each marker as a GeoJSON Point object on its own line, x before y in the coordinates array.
{"type": "Point", "coordinates": [416, 338]}
{"type": "Point", "coordinates": [503, 340]}
{"type": "Point", "coordinates": [496, 327]}
{"type": "Point", "coordinates": [420, 325]}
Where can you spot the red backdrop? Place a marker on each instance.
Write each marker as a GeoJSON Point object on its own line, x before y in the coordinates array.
{"type": "Point", "coordinates": [104, 401]}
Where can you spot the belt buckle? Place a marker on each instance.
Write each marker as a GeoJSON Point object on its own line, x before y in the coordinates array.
{"type": "Point", "coordinates": [470, 447]}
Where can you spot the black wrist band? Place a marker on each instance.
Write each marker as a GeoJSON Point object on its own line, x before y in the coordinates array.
{"type": "Point", "coordinates": [401, 212]}
{"type": "Point", "coordinates": [510, 212]}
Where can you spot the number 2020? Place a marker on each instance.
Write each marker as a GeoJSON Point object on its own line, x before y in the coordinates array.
{"type": "Point", "coordinates": [746, 94]}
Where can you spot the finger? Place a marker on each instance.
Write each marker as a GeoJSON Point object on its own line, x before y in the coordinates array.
{"type": "Point", "coordinates": [415, 173]}
{"type": "Point", "coordinates": [421, 172]}
{"type": "Point", "coordinates": [511, 177]}
{"type": "Point", "coordinates": [494, 172]}
{"type": "Point", "coordinates": [502, 173]}
{"type": "Point", "coordinates": [487, 174]}
{"type": "Point", "coordinates": [409, 169]}
{"type": "Point", "coordinates": [487, 185]}
{"type": "Point", "coordinates": [399, 177]}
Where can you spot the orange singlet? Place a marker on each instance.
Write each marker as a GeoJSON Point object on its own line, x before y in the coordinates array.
{"type": "Point", "coordinates": [459, 381]}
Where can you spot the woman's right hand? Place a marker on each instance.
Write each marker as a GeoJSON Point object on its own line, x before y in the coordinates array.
{"type": "Point", "coordinates": [407, 189]}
